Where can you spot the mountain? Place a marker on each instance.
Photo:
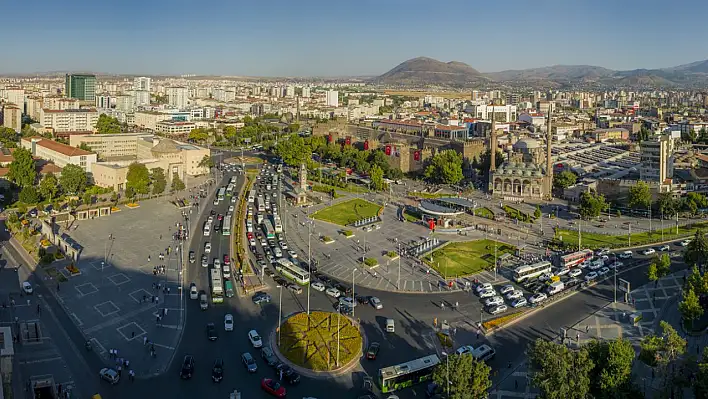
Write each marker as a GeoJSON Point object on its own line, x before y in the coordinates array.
{"type": "Point", "coordinates": [424, 71]}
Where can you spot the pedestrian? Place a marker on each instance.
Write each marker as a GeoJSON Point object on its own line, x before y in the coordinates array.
{"type": "Point", "coordinates": [120, 369]}
{"type": "Point", "coordinates": [516, 384]}
{"type": "Point", "coordinates": [577, 338]}
{"type": "Point", "coordinates": [161, 236]}
{"type": "Point", "coordinates": [157, 300]}
{"type": "Point", "coordinates": [131, 374]}
{"type": "Point", "coordinates": [127, 363]}
{"type": "Point", "coordinates": [153, 299]}
{"type": "Point", "coordinates": [132, 334]}
{"type": "Point", "coordinates": [587, 329]}
{"type": "Point", "coordinates": [148, 258]}
{"type": "Point", "coordinates": [281, 374]}
{"type": "Point", "coordinates": [110, 353]}
{"type": "Point", "coordinates": [145, 338]}
{"type": "Point", "coordinates": [28, 302]}
{"type": "Point", "coordinates": [157, 319]}
{"type": "Point", "coordinates": [165, 311]}
{"type": "Point", "coordinates": [115, 352]}
{"type": "Point", "coordinates": [477, 334]}
{"type": "Point", "coordinates": [57, 287]}
{"type": "Point", "coordinates": [168, 290]}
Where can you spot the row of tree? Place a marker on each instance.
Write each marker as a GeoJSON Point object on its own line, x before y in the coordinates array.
{"type": "Point", "coordinates": [141, 181]}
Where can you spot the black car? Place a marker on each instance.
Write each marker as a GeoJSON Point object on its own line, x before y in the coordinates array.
{"type": "Point", "coordinates": [217, 227]}
{"type": "Point", "coordinates": [217, 372]}
{"type": "Point", "coordinates": [269, 272]}
{"type": "Point", "coordinates": [289, 375]}
{"type": "Point", "coordinates": [269, 357]}
{"type": "Point", "coordinates": [362, 299]}
{"type": "Point", "coordinates": [280, 281]}
{"type": "Point", "coordinates": [344, 309]}
{"type": "Point", "coordinates": [187, 367]}
{"type": "Point", "coordinates": [212, 213]}
{"type": "Point", "coordinates": [211, 332]}
{"type": "Point", "coordinates": [261, 297]}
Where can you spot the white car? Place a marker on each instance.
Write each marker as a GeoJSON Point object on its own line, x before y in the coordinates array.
{"type": "Point", "coordinates": [603, 271]}
{"type": "Point", "coordinates": [684, 243]}
{"type": "Point", "coordinates": [575, 272]}
{"type": "Point", "coordinates": [536, 298]}
{"type": "Point", "coordinates": [617, 265]}
{"type": "Point", "coordinates": [255, 339]}
{"type": "Point", "coordinates": [497, 309]}
{"type": "Point", "coordinates": [376, 302]}
{"type": "Point", "coordinates": [292, 254]}
{"type": "Point", "coordinates": [27, 288]}
{"type": "Point", "coordinates": [231, 208]}
{"type": "Point", "coordinates": [217, 263]}
{"type": "Point", "coordinates": [228, 322]}
{"type": "Point", "coordinates": [494, 301]}
{"type": "Point", "coordinates": [283, 245]}
{"type": "Point", "coordinates": [586, 263]}
{"type": "Point", "coordinates": [649, 251]}
{"type": "Point", "coordinates": [193, 292]}
{"type": "Point", "coordinates": [317, 286]}
{"type": "Point", "coordinates": [517, 303]}
{"type": "Point", "coordinates": [595, 266]}
{"type": "Point", "coordinates": [464, 349]}
{"type": "Point", "coordinates": [347, 301]}
{"type": "Point", "coordinates": [664, 248]}
{"type": "Point", "coordinates": [487, 294]}
{"type": "Point", "coordinates": [590, 276]}
{"type": "Point", "coordinates": [516, 294]}
{"type": "Point", "coordinates": [505, 289]}
{"type": "Point", "coordinates": [626, 254]}
{"type": "Point", "coordinates": [205, 261]}
{"type": "Point", "coordinates": [483, 287]}
{"type": "Point", "coordinates": [333, 292]}
{"type": "Point", "coordinates": [207, 247]}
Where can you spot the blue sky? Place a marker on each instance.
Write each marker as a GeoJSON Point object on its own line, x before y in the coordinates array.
{"type": "Point", "coordinates": [343, 37]}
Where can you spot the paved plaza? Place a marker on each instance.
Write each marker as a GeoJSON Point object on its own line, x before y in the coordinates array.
{"type": "Point", "coordinates": [117, 303]}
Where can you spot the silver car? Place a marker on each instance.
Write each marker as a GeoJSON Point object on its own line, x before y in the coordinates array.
{"type": "Point", "coordinates": [487, 294]}
{"type": "Point", "coordinates": [494, 301]}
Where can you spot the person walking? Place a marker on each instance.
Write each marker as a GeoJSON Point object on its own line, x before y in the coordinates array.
{"type": "Point", "coordinates": [131, 375]}
{"type": "Point", "coordinates": [145, 338]}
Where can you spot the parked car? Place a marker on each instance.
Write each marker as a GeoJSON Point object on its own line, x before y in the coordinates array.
{"type": "Point", "coordinates": [649, 251]}
{"type": "Point", "coordinates": [493, 301]}
{"type": "Point", "coordinates": [483, 287]}
{"type": "Point", "coordinates": [664, 248]}
{"type": "Point", "coordinates": [516, 294]}
{"type": "Point", "coordinates": [591, 276]}
{"type": "Point", "coordinates": [273, 387]}
{"type": "Point", "coordinates": [517, 303]}
{"type": "Point", "coordinates": [333, 292]}
{"type": "Point", "coordinates": [317, 286]}
{"type": "Point", "coordinates": [603, 271]}
{"type": "Point", "coordinates": [506, 289]}
{"type": "Point", "coordinates": [487, 294]}
{"type": "Point", "coordinates": [537, 298]}
{"type": "Point", "coordinates": [268, 356]}
{"type": "Point", "coordinates": [497, 309]}
{"type": "Point", "coordinates": [289, 375]}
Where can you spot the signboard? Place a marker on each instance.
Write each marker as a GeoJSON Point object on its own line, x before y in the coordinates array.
{"type": "Point", "coordinates": [624, 285]}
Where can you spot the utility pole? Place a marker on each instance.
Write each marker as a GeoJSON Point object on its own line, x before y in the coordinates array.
{"type": "Point", "coordinates": [398, 284]}
{"type": "Point", "coordinates": [579, 234]}
{"type": "Point", "coordinates": [629, 237]}
{"type": "Point", "coordinates": [649, 207]}
{"type": "Point", "coordinates": [309, 264]}
{"type": "Point", "coordinates": [495, 261]}
{"type": "Point", "coordinates": [615, 267]}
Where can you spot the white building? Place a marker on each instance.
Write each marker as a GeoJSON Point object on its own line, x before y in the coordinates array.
{"type": "Point", "coordinates": [60, 154]}
{"type": "Point", "coordinates": [178, 96]}
{"type": "Point", "coordinates": [142, 83]}
{"type": "Point", "coordinates": [306, 92]}
{"type": "Point", "coordinates": [141, 97]}
{"type": "Point", "coordinates": [175, 127]}
{"type": "Point", "coordinates": [502, 113]}
{"type": "Point", "coordinates": [290, 91]}
{"type": "Point", "coordinates": [69, 120]}
{"type": "Point", "coordinates": [125, 103]}
{"type": "Point", "coordinates": [657, 158]}
{"type": "Point", "coordinates": [16, 95]}
{"type": "Point", "coordinates": [12, 117]}
{"type": "Point", "coordinates": [149, 119]}
{"type": "Point", "coordinates": [103, 101]}
{"type": "Point", "coordinates": [332, 98]}
{"type": "Point", "coordinates": [60, 103]}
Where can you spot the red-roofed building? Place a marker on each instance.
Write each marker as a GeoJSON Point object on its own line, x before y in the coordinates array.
{"type": "Point", "coordinates": [451, 132]}
{"type": "Point", "coordinates": [60, 154]}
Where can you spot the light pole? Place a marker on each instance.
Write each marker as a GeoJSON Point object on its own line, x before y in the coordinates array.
{"type": "Point", "coordinates": [495, 261]}
{"type": "Point", "coordinates": [615, 264]}
{"type": "Point", "coordinates": [353, 304]}
{"type": "Point", "coordinates": [339, 316]}
{"type": "Point", "coordinates": [447, 367]}
{"type": "Point", "coordinates": [309, 264]}
{"type": "Point", "coordinates": [280, 312]}
{"type": "Point", "coordinates": [398, 283]}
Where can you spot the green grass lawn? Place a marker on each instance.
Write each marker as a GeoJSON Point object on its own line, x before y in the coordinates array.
{"type": "Point", "coordinates": [348, 212]}
{"type": "Point", "coordinates": [594, 240]}
{"type": "Point", "coordinates": [410, 218]}
{"type": "Point", "coordinates": [484, 212]}
{"type": "Point", "coordinates": [467, 257]}
{"type": "Point", "coordinates": [514, 213]}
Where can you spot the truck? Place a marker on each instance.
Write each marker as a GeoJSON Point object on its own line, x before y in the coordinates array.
{"type": "Point", "coordinates": [555, 287]}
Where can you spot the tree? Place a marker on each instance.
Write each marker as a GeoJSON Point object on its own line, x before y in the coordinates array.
{"type": "Point", "coordinates": [469, 379]}
{"type": "Point", "coordinates": [537, 212]}
{"type": "Point", "coordinates": [643, 134]}
{"type": "Point", "coordinates": [639, 196]}
{"type": "Point", "coordinates": [22, 168]}
{"type": "Point", "coordinates": [613, 367]}
{"type": "Point", "coordinates": [294, 151]}
{"type": "Point", "coordinates": [395, 174]}
{"type": "Point", "coordinates": [8, 137]}
{"type": "Point", "coordinates": [177, 183]}
{"type": "Point", "coordinates": [206, 162]}
{"type": "Point", "coordinates": [445, 167]}
{"type": "Point", "coordinates": [200, 135]}
{"type": "Point", "coordinates": [107, 125]}
{"type": "Point", "coordinates": [84, 147]}
{"type": "Point", "coordinates": [690, 307]}
{"type": "Point", "coordinates": [697, 249]}
{"type": "Point", "coordinates": [653, 274]}
{"type": "Point", "coordinates": [659, 267]}
{"type": "Point", "coordinates": [137, 179]}
{"type": "Point", "coordinates": [49, 186]}
{"type": "Point", "coordinates": [159, 181]}
{"type": "Point", "coordinates": [73, 179]}
{"type": "Point", "coordinates": [29, 195]}
{"type": "Point", "coordinates": [700, 387]}
{"type": "Point", "coordinates": [485, 160]}
{"type": "Point", "coordinates": [558, 372]}
{"type": "Point", "coordinates": [87, 198]}
{"type": "Point", "coordinates": [666, 204]}
{"type": "Point", "coordinates": [27, 131]}
{"type": "Point", "coordinates": [691, 136]}
{"type": "Point", "coordinates": [376, 176]}
{"type": "Point", "coordinates": [294, 127]}
{"type": "Point", "coordinates": [564, 179]}
{"type": "Point", "coordinates": [591, 204]}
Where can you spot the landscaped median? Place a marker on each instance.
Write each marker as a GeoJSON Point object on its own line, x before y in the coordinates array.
{"type": "Point", "coordinates": [370, 262]}
{"type": "Point", "coordinates": [500, 322]}
{"type": "Point", "coordinates": [348, 212]}
{"type": "Point", "coordinates": [465, 258]}
{"type": "Point", "coordinates": [595, 240]}
{"type": "Point", "coordinates": [317, 342]}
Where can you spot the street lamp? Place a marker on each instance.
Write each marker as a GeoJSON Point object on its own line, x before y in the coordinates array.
{"type": "Point", "coordinates": [280, 311]}
{"type": "Point", "coordinates": [309, 263]}
{"type": "Point", "coordinates": [398, 284]}
{"type": "Point", "coordinates": [447, 367]}
{"type": "Point", "coordinates": [615, 267]}
{"type": "Point", "coordinates": [355, 269]}
{"type": "Point", "coordinates": [339, 316]}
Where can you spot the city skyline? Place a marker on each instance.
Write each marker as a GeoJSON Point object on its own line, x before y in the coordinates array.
{"type": "Point", "coordinates": [366, 38]}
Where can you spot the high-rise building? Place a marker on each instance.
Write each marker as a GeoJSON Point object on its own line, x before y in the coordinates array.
{"type": "Point", "coordinates": [290, 91]}
{"type": "Point", "coordinates": [306, 92]}
{"type": "Point", "coordinates": [657, 158]}
{"type": "Point", "coordinates": [16, 95]}
{"type": "Point", "coordinates": [103, 101]}
{"type": "Point", "coordinates": [141, 97]}
{"type": "Point", "coordinates": [142, 83]}
{"type": "Point", "coordinates": [80, 87]}
{"type": "Point", "coordinates": [125, 103]}
{"type": "Point", "coordinates": [177, 96]}
{"type": "Point", "coordinates": [12, 117]}
{"type": "Point", "coordinates": [332, 98]}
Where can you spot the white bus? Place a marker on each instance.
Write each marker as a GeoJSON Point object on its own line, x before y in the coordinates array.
{"type": "Point", "coordinates": [226, 226]}
{"type": "Point", "coordinates": [207, 229]}
{"type": "Point", "coordinates": [261, 204]}
{"type": "Point", "coordinates": [531, 271]}
{"type": "Point", "coordinates": [288, 269]}
{"type": "Point", "coordinates": [407, 374]}
{"type": "Point", "coordinates": [251, 196]}
{"type": "Point", "coordinates": [220, 195]}
{"type": "Point", "coordinates": [217, 286]}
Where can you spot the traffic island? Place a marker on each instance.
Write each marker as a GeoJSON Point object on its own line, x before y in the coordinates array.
{"type": "Point", "coordinates": [465, 258]}
{"type": "Point", "coordinates": [348, 212]}
{"type": "Point", "coordinates": [324, 344]}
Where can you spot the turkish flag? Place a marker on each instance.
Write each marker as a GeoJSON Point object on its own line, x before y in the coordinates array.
{"type": "Point", "coordinates": [416, 155]}
{"type": "Point", "coordinates": [348, 140]}
{"type": "Point", "coordinates": [388, 150]}
{"type": "Point", "coordinates": [366, 145]}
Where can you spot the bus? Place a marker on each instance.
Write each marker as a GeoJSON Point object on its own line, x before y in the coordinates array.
{"type": "Point", "coordinates": [277, 225]}
{"type": "Point", "coordinates": [407, 374]}
{"type": "Point", "coordinates": [525, 272]}
{"type": "Point", "coordinates": [261, 204]}
{"type": "Point", "coordinates": [229, 288]}
{"type": "Point", "coordinates": [251, 196]}
{"type": "Point", "coordinates": [268, 229]}
{"type": "Point", "coordinates": [207, 229]}
{"type": "Point", "coordinates": [229, 190]}
{"type": "Point", "coordinates": [220, 195]}
{"type": "Point", "coordinates": [226, 226]}
{"type": "Point", "coordinates": [233, 180]}
{"type": "Point", "coordinates": [217, 286]}
{"type": "Point", "coordinates": [296, 273]}
{"type": "Point", "coordinates": [574, 259]}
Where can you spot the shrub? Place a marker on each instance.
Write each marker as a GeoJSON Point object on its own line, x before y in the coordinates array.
{"type": "Point", "coordinates": [348, 233]}
{"type": "Point", "coordinates": [29, 195]}
{"type": "Point", "coordinates": [500, 321]}
{"type": "Point", "coordinates": [47, 258]}
{"type": "Point", "coordinates": [41, 252]}
{"type": "Point", "coordinates": [371, 262]}
{"type": "Point", "coordinates": [445, 340]}
{"type": "Point", "coordinates": [391, 254]}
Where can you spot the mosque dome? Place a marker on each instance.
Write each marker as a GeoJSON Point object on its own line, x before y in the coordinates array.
{"type": "Point", "coordinates": [526, 143]}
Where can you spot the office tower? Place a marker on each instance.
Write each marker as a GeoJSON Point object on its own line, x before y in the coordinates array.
{"type": "Point", "coordinates": [332, 98]}
{"type": "Point", "coordinates": [80, 87]}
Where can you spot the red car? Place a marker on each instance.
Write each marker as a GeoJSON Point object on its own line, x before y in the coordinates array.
{"type": "Point", "coordinates": [227, 261]}
{"type": "Point", "coordinates": [249, 236]}
{"type": "Point", "coordinates": [273, 387]}
{"type": "Point", "coordinates": [220, 217]}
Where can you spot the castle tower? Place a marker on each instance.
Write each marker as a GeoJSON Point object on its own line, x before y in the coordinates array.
{"type": "Point", "coordinates": [303, 177]}
{"type": "Point", "coordinates": [549, 163]}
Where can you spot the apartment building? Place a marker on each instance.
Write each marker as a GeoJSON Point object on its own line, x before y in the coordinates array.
{"type": "Point", "coordinates": [16, 95]}
{"type": "Point", "coordinates": [178, 96]}
{"type": "Point", "coordinates": [175, 127]}
{"type": "Point", "coordinates": [657, 158]}
{"type": "Point", "coordinates": [332, 99]}
{"type": "Point", "coordinates": [109, 146]}
{"type": "Point", "coordinates": [12, 117]}
{"type": "Point", "coordinates": [501, 113]}
{"type": "Point", "coordinates": [59, 103]}
{"type": "Point", "coordinates": [69, 120]}
{"type": "Point", "coordinates": [80, 87]}
{"type": "Point", "coordinates": [33, 106]}
{"type": "Point", "coordinates": [149, 119]}
{"type": "Point", "coordinates": [58, 153]}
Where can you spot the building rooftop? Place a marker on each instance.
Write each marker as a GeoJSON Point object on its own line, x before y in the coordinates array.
{"type": "Point", "coordinates": [57, 147]}
{"type": "Point", "coordinates": [82, 110]}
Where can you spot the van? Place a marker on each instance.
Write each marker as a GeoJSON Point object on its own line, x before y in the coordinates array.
{"type": "Point", "coordinates": [483, 353]}
{"type": "Point", "coordinates": [390, 326]}
{"type": "Point", "coordinates": [555, 287]}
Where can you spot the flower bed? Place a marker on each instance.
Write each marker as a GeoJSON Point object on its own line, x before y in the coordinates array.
{"type": "Point", "coordinates": [73, 270]}
{"type": "Point", "coordinates": [59, 256]}
{"type": "Point", "coordinates": [445, 340]}
{"type": "Point", "coordinates": [115, 209]}
{"type": "Point", "coordinates": [132, 205]}
{"type": "Point", "coordinates": [327, 240]}
{"type": "Point", "coordinates": [54, 273]}
{"type": "Point", "coordinates": [371, 262]}
{"type": "Point", "coordinates": [348, 233]}
{"type": "Point", "coordinates": [499, 322]}
{"type": "Point", "coordinates": [45, 243]}
{"type": "Point", "coordinates": [392, 254]}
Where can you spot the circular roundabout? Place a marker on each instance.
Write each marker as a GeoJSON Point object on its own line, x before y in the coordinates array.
{"type": "Point", "coordinates": [322, 342]}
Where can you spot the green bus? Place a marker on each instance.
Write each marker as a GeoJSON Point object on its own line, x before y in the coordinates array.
{"type": "Point", "coordinates": [229, 288]}
{"type": "Point", "coordinates": [407, 374]}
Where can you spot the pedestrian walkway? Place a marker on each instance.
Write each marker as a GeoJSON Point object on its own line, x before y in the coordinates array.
{"type": "Point", "coordinates": [630, 320]}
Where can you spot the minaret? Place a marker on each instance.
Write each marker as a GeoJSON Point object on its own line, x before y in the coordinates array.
{"type": "Point", "coordinates": [549, 162]}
